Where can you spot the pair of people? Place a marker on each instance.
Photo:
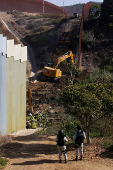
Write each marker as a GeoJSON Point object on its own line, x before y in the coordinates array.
{"type": "Point", "coordinates": [61, 140]}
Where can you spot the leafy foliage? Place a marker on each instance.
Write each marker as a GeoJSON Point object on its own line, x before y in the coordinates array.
{"type": "Point", "coordinates": [70, 126]}
{"type": "Point", "coordinates": [3, 162]}
{"type": "Point", "coordinates": [107, 13]}
{"type": "Point", "coordinates": [88, 39]}
{"type": "Point", "coordinates": [101, 76]}
{"type": "Point", "coordinates": [71, 69]}
{"type": "Point", "coordinates": [38, 39]}
{"type": "Point", "coordinates": [109, 67]}
{"type": "Point", "coordinates": [102, 128]}
{"type": "Point", "coordinates": [94, 11]}
{"type": "Point", "coordinates": [89, 102]}
{"type": "Point", "coordinates": [108, 144]}
{"type": "Point", "coordinates": [52, 123]}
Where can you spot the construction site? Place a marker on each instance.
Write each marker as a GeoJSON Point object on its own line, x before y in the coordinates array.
{"type": "Point", "coordinates": [66, 40]}
{"type": "Point", "coordinates": [39, 47]}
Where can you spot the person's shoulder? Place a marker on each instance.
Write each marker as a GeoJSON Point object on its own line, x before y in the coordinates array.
{"type": "Point", "coordinates": [65, 138]}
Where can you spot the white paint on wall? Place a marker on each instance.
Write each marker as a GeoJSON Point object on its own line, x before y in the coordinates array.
{"type": "Point", "coordinates": [23, 52]}
{"type": "Point", "coordinates": [10, 48]}
{"type": "Point", "coordinates": [18, 52]}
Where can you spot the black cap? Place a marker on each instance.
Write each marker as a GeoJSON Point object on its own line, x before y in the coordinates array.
{"type": "Point", "coordinates": [61, 132]}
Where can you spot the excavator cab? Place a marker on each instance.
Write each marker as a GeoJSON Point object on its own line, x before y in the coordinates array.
{"type": "Point", "coordinates": [52, 72]}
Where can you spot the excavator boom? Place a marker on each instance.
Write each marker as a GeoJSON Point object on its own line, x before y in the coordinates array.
{"type": "Point", "coordinates": [64, 57]}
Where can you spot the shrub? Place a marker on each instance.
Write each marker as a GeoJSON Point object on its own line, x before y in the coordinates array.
{"type": "Point", "coordinates": [88, 39]}
{"type": "Point", "coordinates": [108, 68]}
{"type": "Point", "coordinates": [30, 26]}
{"type": "Point", "coordinates": [61, 121]}
{"type": "Point", "coordinates": [70, 126]}
{"type": "Point", "coordinates": [71, 68]}
{"type": "Point", "coordinates": [110, 148]}
{"type": "Point", "coordinates": [100, 76]}
{"type": "Point", "coordinates": [94, 11]}
{"type": "Point", "coordinates": [37, 39]}
{"type": "Point", "coordinates": [21, 21]}
{"type": "Point", "coordinates": [34, 17]}
{"type": "Point", "coordinates": [3, 162]}
{"type": "Point", "coordinates": [102, 128]}
{"type": "Point", "coordinates": [108, 145]}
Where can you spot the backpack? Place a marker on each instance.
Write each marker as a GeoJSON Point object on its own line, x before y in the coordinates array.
{"type": "Point", "coordinates": [79, 139]}
{"type": "Point", "coordinates": [60, 141]}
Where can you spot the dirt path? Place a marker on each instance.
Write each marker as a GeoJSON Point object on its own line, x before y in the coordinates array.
{"type": "Point", "coordinates": [39, 152]}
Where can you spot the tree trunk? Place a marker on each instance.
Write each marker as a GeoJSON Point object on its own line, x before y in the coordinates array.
{"type": "Point", "coordinates": [88, 136]}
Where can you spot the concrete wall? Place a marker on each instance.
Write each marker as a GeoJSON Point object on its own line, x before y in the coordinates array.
{"type": "Point", "coordinates": [18, 52]}
{"type": "Point", "coordinates": [16, 94]}
{"type": "Point", "coordinates": [33, 6]}
{"type": "Point", "coordinates": [3, 128]}
{"type": "Point", "coordinates": [12, 86]}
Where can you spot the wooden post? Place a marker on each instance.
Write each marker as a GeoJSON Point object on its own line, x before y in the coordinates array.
{"type": "Point", "coordinates": [30, 99]}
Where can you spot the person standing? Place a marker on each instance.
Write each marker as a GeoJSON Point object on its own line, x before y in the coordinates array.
{"type": "Point", "coordinates": [61, 145]}
{"type": "Point", "coordinates": [38, 118]}
{"type": "Point", "coordinates": [79, 137]}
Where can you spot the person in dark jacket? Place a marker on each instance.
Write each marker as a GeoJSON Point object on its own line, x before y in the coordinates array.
{"type": "Point", "coordinates": [79, 137]}
{"type": "Point", "coordinates": [61, 145]}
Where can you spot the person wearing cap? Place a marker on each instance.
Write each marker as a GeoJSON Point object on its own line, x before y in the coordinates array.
{"type": "Point", "coordinates": [61, 145]}
{"type": "Point", "coordinates": [79, 137]}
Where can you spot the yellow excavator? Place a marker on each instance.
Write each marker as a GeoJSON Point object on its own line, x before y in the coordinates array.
{"type": "Point", "coordinates": [53, 72]}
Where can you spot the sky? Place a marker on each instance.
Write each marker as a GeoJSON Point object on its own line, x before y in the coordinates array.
{"type": "Point", "coordinates": [70, 2]}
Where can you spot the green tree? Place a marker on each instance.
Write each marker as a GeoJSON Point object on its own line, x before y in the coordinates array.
{"type": "Point", "coordinates": [89, 102]}
{"type": "Point", "coordinates": [72, 70]}
{"type": "Point", "coordinates": [88, 39]}
{"type": "Point", "coordinates": [107, 13]}
{"type": "Point", "coordinates": [94, 11]}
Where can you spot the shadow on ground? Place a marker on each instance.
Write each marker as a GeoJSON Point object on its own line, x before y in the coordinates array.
{"type": "Point", "coordinates": [19, 150]}
{"type": "Point", "coordinates": [107, 154]}
{"type": "Point", "coordinates": [27, 147]}
{"type": "Point", "coordinates": [43, 161]}
{"type": "Point", "coordinates": [33, 137]}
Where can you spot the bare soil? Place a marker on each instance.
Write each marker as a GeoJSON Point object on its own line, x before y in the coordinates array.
{"type": "Point", "coordinates": [40, 152]}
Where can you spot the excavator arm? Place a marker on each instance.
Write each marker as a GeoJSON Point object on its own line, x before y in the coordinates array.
{"type": "Point", "coordinates": [64, 57]}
